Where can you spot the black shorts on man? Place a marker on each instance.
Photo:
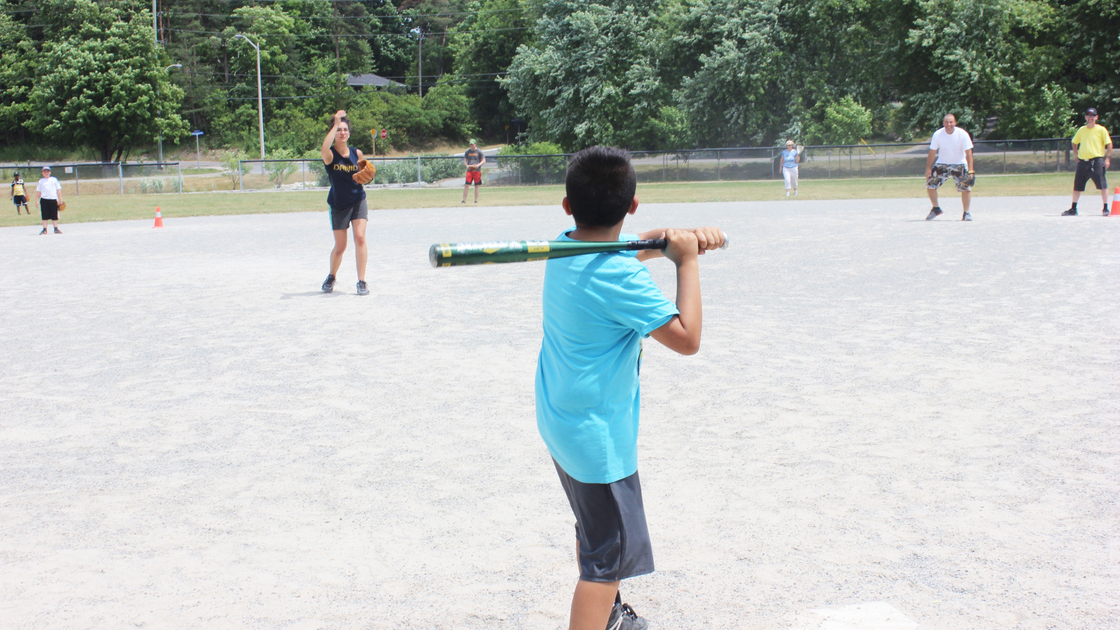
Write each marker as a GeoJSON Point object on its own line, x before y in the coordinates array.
{"type": "Point", "coordinates": [342, 217]}
{"type": "Point", "coordinates": [610, 528]}
{"type": "Point", "coordinates": [1090, 170]}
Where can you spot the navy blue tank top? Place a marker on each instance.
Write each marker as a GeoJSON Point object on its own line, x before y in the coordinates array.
{"type": "Point", "coordinates": [345, 192]}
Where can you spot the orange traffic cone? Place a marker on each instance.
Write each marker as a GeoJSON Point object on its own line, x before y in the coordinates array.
{"type": "Point", "coordinates": [159, 219]}
{"type": "Point", "coordinates": [1115, 203]}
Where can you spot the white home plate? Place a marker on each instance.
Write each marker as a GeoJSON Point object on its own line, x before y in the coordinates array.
{"type": "Point", "coordinates": [868, 616]}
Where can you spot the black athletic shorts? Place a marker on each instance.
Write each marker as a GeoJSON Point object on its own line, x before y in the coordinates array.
{"type": "Point", "coordinates": [1090, 170]}
{"type": "Point", "coordinates": [49, 209]}
{"type": "Point", "coordinates": [610, 528]}
{"type": "Point", "coordinates": [341, 217]}
{"type": "Point", "coordinates": [19, 200]}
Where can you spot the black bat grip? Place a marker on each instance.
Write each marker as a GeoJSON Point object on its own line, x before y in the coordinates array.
{"type": "Point", "coordinates": [662, 243]}
{"type": "Point", "coordinates": [649, 243]}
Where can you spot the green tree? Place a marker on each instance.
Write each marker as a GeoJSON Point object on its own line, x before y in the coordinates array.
{"type": "Point", "coordinates": [1090, 35]}
{"type": "Point", "coordinates": [97, 84]}
{"type": "Point", "coordinates": [17, 71]}
{"type": "Point", "coordinates": [968, 59]}
{"type": "Point", "coordinates": [590, 77]}
{"type": "Point", "coordinates": [845, 122]}
{"type": "Point", "coordinates": [484, 46]}
{"type": "Point", "coordinates": [729, 90]}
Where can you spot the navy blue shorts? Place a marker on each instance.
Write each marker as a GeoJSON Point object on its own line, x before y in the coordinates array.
{"type": "Point", "coordinates": [610, 528]}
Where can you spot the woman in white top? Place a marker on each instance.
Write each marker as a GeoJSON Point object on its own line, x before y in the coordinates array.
{"type": "Point", "coordinates": [791, 157]}
{"type": "Point", "coordinates": [48, 192]}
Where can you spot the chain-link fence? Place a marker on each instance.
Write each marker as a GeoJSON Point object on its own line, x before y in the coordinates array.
{"type": "Point", "coordinates": [733, 164]}
{"type": "Point", "coordinates": [106, 178]}
{"type": "Point", "coordinates": [846, 161]}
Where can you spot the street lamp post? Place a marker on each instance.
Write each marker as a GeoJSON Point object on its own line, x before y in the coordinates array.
{"type": "Point", "coordinates": [160, 103]}
{"type": "Point", "coordinates": [260, 99]}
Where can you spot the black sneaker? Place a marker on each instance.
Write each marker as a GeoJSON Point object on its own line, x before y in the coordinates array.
{"type": "Point", "coordinates": [362, 288]}
{"type": "Point", "coordinates": [1105, 211]}
{"type": "Point", "coordinates": [328, 284]}
{"type": "Point", "coordinates": [933, 214]}
{"type": "Point", "coordinates": [623, 617]}
{"type": "Point", "coordinates": [57, 231]}
{"type": "Point", "coordinates": [1072, 212]}
{"type": "Point", "coordinates": [43, 232]}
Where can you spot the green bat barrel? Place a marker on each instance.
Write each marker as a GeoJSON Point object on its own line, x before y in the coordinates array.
{"type": "Point", "coordinates": [455, 254]}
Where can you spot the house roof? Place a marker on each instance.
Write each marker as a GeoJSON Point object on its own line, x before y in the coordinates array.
{"type": "Point", "coordinates": [358, 80]}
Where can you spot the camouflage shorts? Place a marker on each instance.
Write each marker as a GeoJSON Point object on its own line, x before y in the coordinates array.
{"type": "Point", "coordinates": [941, 172]}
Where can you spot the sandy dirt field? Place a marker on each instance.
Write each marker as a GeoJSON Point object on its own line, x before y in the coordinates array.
{"type": "Point", "coordinates": [891, 424]}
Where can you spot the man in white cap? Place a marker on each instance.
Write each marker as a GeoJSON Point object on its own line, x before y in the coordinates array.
{"type": "Point", "coordinates": [1094, 155]}
{"type": "Point", "coordinates": [48, 193]}
{"type": "Point", "coordinates": [473, 159]}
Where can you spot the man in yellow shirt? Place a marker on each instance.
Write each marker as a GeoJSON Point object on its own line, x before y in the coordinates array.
{"type": "Point", "coordinates": [1094, 153]}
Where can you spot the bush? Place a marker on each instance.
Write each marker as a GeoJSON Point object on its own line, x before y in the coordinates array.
{"type": "Point", "coordinates": [278, 172]}
{"type": "Point", "coordinates": [152, 185]}
{"type": "Point", "coordinates": [432, 168]}
{"type": "Point", "coordinates": [550, 169]}
{"type": "Point", "coordinates": [315, 165]}
{"type": "Point", "coordinates": [234, 169]}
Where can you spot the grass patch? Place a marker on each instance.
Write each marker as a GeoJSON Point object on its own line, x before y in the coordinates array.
{"type": "Point", "coordinates": [115, 207]}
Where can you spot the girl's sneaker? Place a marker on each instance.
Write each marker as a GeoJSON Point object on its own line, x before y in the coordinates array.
{"type": "Point", "coordinates": [623, 617]}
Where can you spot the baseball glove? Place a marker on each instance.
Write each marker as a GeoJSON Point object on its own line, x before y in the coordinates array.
{"type": "Point", "coordinates": [969, 179]}
{"type": "Point", "coordinates": [365, 172]}
{"type": "Point", "coordinates": [61, 206]}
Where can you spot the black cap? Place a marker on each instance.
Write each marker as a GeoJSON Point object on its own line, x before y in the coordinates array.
{"type": "Point", "coordinates": [1092, 111]}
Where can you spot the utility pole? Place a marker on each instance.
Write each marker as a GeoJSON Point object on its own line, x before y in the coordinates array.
{"type": "Point", "coordinates": [160, 104]}
{"type": "Point", "coordinates": [260, 100]}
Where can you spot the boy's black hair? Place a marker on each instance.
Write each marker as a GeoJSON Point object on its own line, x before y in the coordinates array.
{"type": "Point", "coordinates": [600, 186]}
{"type": "Point", "coordinates": [345, 119]}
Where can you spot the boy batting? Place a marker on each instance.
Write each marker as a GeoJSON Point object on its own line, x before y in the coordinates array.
{"type": "Point", "coordinates": [597, 310]}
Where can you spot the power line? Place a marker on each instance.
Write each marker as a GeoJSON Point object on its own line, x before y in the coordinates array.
{"type": "Point", "coordinates": [412, 15]}
{"type": "Point", "coordinates": [406, 16]}
{"type": "Point", "coordinates": [357, 35]}
{"type": "Point", "coordinates": [293, 76]}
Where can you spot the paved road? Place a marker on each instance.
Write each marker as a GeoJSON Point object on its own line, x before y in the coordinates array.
{"type": "Point", "coordinates": [891, 422]}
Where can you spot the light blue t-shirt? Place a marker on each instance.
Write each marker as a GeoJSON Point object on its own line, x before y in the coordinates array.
{"type": "Point", "coordinates": [789, 158]}
{"type": "Point", "coordinates": [597, 310]}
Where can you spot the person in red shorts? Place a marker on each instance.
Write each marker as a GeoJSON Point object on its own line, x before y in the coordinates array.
{"type": "Point", "coordinates": [473, 159]}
